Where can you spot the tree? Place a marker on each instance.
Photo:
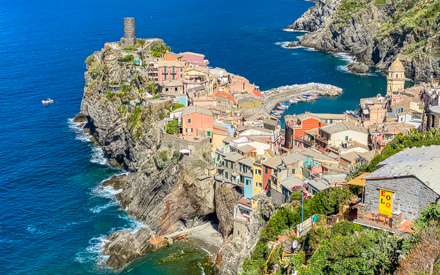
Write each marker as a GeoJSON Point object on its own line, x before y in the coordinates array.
{"type": "Point", "coordinates": [177, 106]}
{"type": "Point", "coordinates": [172, 127]}
{"type": "Point", "coordinates": [151, 87]}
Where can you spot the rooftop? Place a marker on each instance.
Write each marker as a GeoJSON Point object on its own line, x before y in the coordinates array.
{"type": "Point", "coordinates": [195, 109]}
{"type": "Point", "coordinates": [341, 127]}
{"type": "Point", "coordinates": [291, 182]}
{"type": "Point", "coordinates": [273, 162]}
{"type": "Point", "coordinates": [248, 162]}
{"type": "Point", "coordinates": [245, 148]}
{"type": "Point", "coordinates": [421, 162]}
{"type": "Point", "coordinates": [233, 156]}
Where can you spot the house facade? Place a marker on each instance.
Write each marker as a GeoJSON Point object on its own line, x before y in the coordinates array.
{"type": "Point", "coordinates": [197, 121]}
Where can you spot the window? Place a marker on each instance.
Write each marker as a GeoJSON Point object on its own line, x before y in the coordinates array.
{"type": "Point", "coordinates": [165, 69]}
{"type": "Point", "coordinates": [164, 77]}
{"type": "Point", "coordinates": [188, 120]}
{"type": "Point", "coordinates": [181, 75]}
{"type": "Point", "coordinates": [293, 171]}
{"type": "Point", "coordinates": [346, 137]}
{"type": "Point", "coordinates": [208, 133]}
{"type": "Point", "coordinates": [181, 69]}
{"type": "Point", "coordinates": [189, 130]}
{"type": "Point", "coordinates": [266, 169]}
{"type": "Point", "coordinates": [258, 171]}
{"type": "Point", "coordinates": [260, 184]}
{"type": "Point", "coordinates": [226, 175]}
{"type": "Point", "coordinates": [268, 182]}
{"type": "Point", "coordinates": [232, 165]}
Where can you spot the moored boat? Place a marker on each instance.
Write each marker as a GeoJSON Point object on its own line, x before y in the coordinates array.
{"type": "Point", "coordinates": [46, 102]}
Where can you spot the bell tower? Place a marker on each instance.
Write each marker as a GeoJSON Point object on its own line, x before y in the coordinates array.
{"type": "Point", "coordinates": [396, 77]}
{"type": "Point", "coordinates": [129, 36]}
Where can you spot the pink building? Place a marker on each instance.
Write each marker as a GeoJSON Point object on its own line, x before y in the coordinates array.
{"type": "Point", "coordinates": [170, 70]}
{"type": "Point", "coordinates": [194, 58]}
{"type": "Point", "coordinates": [197, 121]}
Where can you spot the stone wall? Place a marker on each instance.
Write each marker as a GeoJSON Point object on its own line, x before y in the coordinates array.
{"type": "Point", "coordinates": [197, 148]}
{"type": "Point", "coordinates": [277, 197]}
{"type": "Point", "coordinates": [412, 195]}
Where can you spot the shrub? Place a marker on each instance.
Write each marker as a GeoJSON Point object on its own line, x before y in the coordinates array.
{"type": "Point", "coordinates": [177, 106]}
{"type": "Point", "coordinates": [156, 96]}
{"type": "Point", "coordinates": [90, 59]}
{"type": "Point", "coordinates": [163, 155]}
{"type": "Point", "coordinates": [110, 95]}
{"type": "Point", "coordinates": [128, 58]}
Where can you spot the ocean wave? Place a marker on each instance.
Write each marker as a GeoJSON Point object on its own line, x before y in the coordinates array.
{"type": "Point", "coordinates": [97, 209]}
{"type": "Point", "coordinates": [133, 225]}
{"type": "Point", "coordinates": [92, 254]}
{"type": "Point", "coordinates": [346, 57]}
{"type": "Point", "coordinates": [78, 128]}
{"type": "Point", "coordinates": [98, 156]}
{"type": "Point", "coordinates": [292, 30]}
{"type": "Point", "coordinates": [35, 231]}
{"type": "Point", "coordinates": [283, 44]}
{"type": "Point", "coordinates": [107, 192]}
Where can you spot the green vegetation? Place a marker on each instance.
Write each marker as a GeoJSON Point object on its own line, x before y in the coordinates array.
{"type": "Point", "coordinates": [90, 59]}
{"type": "Point", "coordinates": [139, 44]}
{"type": "Point", "coordinates": [163, 155]}
{"type": "Point", "coordinates": [429, 214]}
{"type": "Point", "coordinates": [286, 219]}
{"type": "Point", "coordinates": [400, 142]}
{"type": "Point", "coordinates": [159, 49]}
{"type": "Point", "coordinates": [173, 127]}
{"type": "Point", "coordinates": [156, 96]}
{"type": "Point", "coordinates": [110, 95]}
{"type": "Point", "coordinates": [177, 106]}
{"type": "Point", "coordinates": [134, 118]}
{"type": "Point", "coordinates": [151, 87]}
{"type": "Point", "coordinates": [123, 110]}
{"type": "Point", "coordinates": [348, 9]}
{"type": "Point", "coordinates": [96, 69]}
{"type": "Point", "coordinates": [346, 248]}
{"type": "Point", "coordinates": [128, 58]}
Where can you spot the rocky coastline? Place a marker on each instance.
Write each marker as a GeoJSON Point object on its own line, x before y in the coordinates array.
{"type": "Point", "coordinates": [369, 32]}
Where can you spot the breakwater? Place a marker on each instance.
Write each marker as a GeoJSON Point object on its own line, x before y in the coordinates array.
{"type": "Point", "coordinates": [275, 96]}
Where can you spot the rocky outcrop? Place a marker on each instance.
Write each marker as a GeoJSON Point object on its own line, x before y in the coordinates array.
{"type": "Point", "coordinates": [369, 31]}
{"type": "Point", "coordinates": [232, 253]}
{"type": "Point", "coordinates": [226, 196]}
{"type": "Point", "coordinates": [162, 189]}
{"type": "Point", "coordinates": [358, 68]}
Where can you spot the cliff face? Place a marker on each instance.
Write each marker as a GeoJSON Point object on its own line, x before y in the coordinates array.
{"type": "Point", "coordinates": [376, 32]}
{"type": "Point", "coordinates": [162, 190]}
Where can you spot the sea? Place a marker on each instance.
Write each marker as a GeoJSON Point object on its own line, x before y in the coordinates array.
{"type": "Point", "coordinates": [54, 213]}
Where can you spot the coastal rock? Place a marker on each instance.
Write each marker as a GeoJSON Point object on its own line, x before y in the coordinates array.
{"type": "Point", "coordinates": [80, 118]}
{"type": "Point", "coordinates": [292, 45]}
{"type": "Point", "coordinates": [117, 182]}
{"type": "Point", "coordinates": [369, 32]}
{"type": "Point", "coordinates": [358, 68]}
{"type": "Point", "coordinates": [226, 197]}
{"type": "Point", "coordinates": [232, 253]}
{"type": "Point", "coordinates": [162, 190]}
{"type": "Point", "coordinates": [123, 247]}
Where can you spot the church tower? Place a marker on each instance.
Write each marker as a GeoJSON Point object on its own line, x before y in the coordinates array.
{"type": "Point", "coordinates": [396, 77]}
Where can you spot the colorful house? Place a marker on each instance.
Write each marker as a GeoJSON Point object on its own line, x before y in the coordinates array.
{"type": "Point", "coordinates": [172, 56]}
{"type": "Point", "coordinates": [170, 70]}
{"type": "Point", "coordinates": [270, 172]}
{"type": "Point", "coordinates": [249, 102]}
{"type": "Point", "coordinates": [197, 121]}
{"type": "Point", "coordinates": [258, 176]}
{"type": "Point", "coordinates": [296, 126]}
{"type": "Point", "coordinates": [194, 58]}
{"type": "Point", "coordinates": [246, 177]}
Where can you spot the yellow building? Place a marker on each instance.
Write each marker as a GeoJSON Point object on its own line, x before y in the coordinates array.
{"type": "Point", "coordinates": [218, 135]}
{"type": "Point", "coordinates": [258, 176]}
{"type": "Point", "coordinates": [249, 102]}
{"type": "Point", "coordinates": [396, 77]}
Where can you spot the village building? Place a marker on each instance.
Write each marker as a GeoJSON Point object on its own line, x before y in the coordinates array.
{"type": "Point", "coordinates": [406, 183]}
{"type": "Point", "coordinates": [196, 77]}
{"type": "Point", "coordinates": [197, 121]}
{"type": "Point", "coordinates": [270, 172]}
{"type": "Point", "coordinates": [249, 102]}
{"type": "Point", "coordinates": [373, 110]}
{"type": "Point", "coordinates": [258, 175]}
{"type": "Point", "coordinates": [169, 56]}
{"type": "Point", "coordinates": [296, 126]}
{"type": "Point", "coordinates": [246, 177]}
{"type": "Point", "coordinates": [170, 70]}
{"type": "Point", "coordinates": [396, 78]}
{"type": "Point", "coordinates": [194, 58]}
{"type": "Point", "coordinates": [337, 136]}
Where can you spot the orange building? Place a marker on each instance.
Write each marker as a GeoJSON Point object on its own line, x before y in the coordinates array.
{"type": "Point", "coordinates": [296, 127]}
{"type": "Point", "coordinates": [197, 121]}
{"type": "Point", "coordinates": [172, 56]}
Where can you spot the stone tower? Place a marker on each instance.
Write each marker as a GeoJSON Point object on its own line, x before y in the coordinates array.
{"type": "Point", "coordinates": [396, 77]}
{"type": "Point", "coordinates": [129, 37]}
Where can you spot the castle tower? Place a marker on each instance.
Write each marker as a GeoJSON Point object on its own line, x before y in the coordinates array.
{"type": "Point", "coordinates": [396, 77]}
{"type": "Point", "coordinates": [129, 37]}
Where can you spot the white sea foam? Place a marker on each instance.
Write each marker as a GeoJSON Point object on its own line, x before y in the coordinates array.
{"type": "Point", "coordinates": [35, 231]}
{"type": "Point", "coordinates": [98, 156]}
{"type": "Point", "coordinates": [92, 254]}
{"type": "Point", "coordinates": [107, 192]}
{"type": "Point", "coordinates": [78, 127]}
{"type": "Point", "coordinates": [300, 36]}
{"type": "Point", "coordinates": [291, 30]}
{"type": "Point", "coordinates": [133, 225]}
{"type": "Point", "coordinates": [97, 209]}
{"type": "Point", "coordinates": [283, 44]}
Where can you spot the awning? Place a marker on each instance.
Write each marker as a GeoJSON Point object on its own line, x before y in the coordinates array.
{"type": "Point", "coordinates": [359, 180]}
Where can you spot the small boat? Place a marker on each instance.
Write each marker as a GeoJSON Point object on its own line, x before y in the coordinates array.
{"type": "Point", "coordinates": [282, 106]}
{"type": "Point", "coordinates": [46, 102]}
{"type": "Point", "coordinates": [181, 237]}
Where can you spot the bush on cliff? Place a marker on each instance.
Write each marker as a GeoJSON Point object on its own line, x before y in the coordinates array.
{"type": "Point", "coordinates": [286, 219]}
{"type": "Point", "coordinates": [172, 127]}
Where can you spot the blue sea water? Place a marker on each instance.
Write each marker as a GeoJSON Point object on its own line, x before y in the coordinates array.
{"type": "Point", "coordinates": [54, 214]}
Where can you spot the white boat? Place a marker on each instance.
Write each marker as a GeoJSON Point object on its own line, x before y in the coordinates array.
{"type": "Point", "coordinates": [46, 102]}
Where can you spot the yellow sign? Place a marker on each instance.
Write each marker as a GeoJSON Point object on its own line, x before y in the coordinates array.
{"type": "Point", "coordinates": [385, 202]}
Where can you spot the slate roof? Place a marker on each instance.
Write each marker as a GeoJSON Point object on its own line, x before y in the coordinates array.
{"type": "Point", "coordinates": [422, 163]}
{"type": "Point", "coordinates": [195, 109]}
{"type": "Point", "coordinates": [273, 162]}
{"type": "Point", "coordinates": [290, 182]}
{"type": "Point", "coordinates": [248, 162]}
{"type": "Point", "coordinates": [292, 158]}
{"type": "Point", "coordinates": [318, 184]}
{"type": "Point", "coordinates": [245, 148]}
{"type": "Point", "coordinates": [341, 127]}
{"type": "Point", "coordinates": [233, 156]}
